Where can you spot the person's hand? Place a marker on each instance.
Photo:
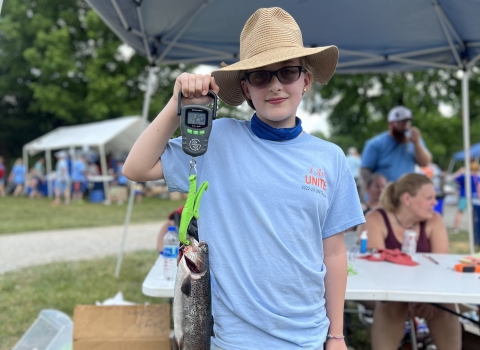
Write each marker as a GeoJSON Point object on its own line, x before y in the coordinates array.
{"type": "Point", "coordinates": [415, 135]}
{"type": "Point", "coordinates": [334, 344]}
{"type": "Point", "coordinates": [194, 88]}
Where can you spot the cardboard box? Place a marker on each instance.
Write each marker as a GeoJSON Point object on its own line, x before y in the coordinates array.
{"type": "Point", "coordinates": [139, 327]}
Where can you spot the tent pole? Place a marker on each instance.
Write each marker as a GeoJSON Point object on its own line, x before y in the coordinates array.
{"type": "Point", "coordinates": [143, 124]}
{"type": "Point", "coordinates": [466, 146]}
{"type": "Point", "coordinates": [103, 163]}
{"type": "Point", "coordinates": [48, 160]}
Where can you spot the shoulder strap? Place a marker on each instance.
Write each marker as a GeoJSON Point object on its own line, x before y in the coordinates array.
{"type": "Point", "coordinates": [387, 222]}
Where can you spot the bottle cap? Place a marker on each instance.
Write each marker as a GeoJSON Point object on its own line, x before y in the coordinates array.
{"type": "Point", "coordinates": [172, 228]}
{"type": "Point", "coordinates": [363, 235]}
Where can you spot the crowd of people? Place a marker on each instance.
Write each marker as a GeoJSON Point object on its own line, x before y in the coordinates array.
{"type": "Point", "coordinates": [69, 181]}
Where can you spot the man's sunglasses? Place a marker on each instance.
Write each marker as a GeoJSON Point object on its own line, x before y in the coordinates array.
{"type": "Point", "coordinates": [285, 75]}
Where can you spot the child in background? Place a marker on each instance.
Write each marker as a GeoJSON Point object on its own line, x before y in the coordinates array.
{"type": "Point", "coordinates": [278, 261]}
{"type": "Point", "coordinates": [2, 178]}
{"type": "Point", "coordinates": [17, 176]}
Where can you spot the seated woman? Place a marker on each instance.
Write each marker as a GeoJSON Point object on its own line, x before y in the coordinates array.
{"type": "Point", "coordinates": [408, 205]}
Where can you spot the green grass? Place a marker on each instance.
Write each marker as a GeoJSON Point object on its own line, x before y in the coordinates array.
{"type": "Point", "coordinates": [61, 286]}
{"type": "Point", "coordinates": [24, 214]}
{"type": "Point", "coordinates": [459, 243]}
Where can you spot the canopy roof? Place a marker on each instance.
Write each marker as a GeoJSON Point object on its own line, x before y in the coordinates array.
{"type": "Point", "coordinates": [372, 35]}
{"type": "Point", "coordinates": [474, 153]}
{"type": "Point", "coordinates": [114, 134]}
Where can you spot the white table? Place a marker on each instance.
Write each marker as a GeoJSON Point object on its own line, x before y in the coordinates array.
{"type": "Point", "coordinates": [426, 282]}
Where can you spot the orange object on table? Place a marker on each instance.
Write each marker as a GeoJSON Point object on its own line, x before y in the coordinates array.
{"type": "Point", "coordinates": [467, 268]}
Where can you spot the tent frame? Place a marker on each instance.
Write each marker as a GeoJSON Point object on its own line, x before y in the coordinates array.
{"type": "Point", "coordinates": [456, 45]}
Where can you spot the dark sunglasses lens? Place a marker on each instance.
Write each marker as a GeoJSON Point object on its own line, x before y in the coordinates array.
{"type": "Point", "coordinates": [259, 78]}
{"type": "Point", "coordinates": [289, 75]}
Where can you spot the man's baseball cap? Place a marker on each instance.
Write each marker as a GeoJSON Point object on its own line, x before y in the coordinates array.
{"type": "Point", "coordinates": [399, 113]}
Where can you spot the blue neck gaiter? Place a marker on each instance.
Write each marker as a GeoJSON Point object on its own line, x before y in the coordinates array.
{"type": "Point", "coordinates": [265, 131]}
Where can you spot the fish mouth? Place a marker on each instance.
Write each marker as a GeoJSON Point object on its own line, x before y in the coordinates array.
{"type": "Point", "coordinates": [191, 265]}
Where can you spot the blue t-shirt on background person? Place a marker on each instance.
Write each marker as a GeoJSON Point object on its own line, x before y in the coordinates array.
{"type": "Point", "coordinates": [460, 180]}
{"type": "Point", "coordinates": [121, 180]}
{"type": "Point", "coordinates": [78, 171]}
{"type": "Point", "coordinates": [383, 154]}
{"type": "Point", "coordinates": [18, 171]}
{"type": "Point", "coordinates": [268, 208]}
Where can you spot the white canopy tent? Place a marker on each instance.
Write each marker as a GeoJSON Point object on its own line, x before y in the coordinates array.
{"type": "Point", "coordinates": [112, 135]}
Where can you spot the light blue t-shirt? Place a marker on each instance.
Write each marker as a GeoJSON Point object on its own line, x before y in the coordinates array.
{"type": "Point", "coordinates": [383, 154]}
{"type": "Point", "coordinates": [62, 170]}
{"type": "Point", "coordinates": [268, 207]}
{"type": "Point", "coordinates": [78, 171]}
{"type": "Point", "coordinates": [121, 180]}
{"type": "Point", "coordinates": [354, 163]}
{"type": "Point", "coordinates": [18, 171]}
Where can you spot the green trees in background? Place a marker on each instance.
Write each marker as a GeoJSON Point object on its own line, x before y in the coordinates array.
{"type": "Point", "coordinates": [359, 104]}
{"type": "Point", "coordinates": [61, 65]}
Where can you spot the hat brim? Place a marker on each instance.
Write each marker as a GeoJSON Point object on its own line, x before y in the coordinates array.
{"type": "Point", "coordinates": [322, 59]}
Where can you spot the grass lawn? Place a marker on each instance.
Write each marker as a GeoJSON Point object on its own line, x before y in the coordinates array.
{"type": "Point", "coordinates": [24, 214]}
{"type": "Point", "coordinates": [61, 286]}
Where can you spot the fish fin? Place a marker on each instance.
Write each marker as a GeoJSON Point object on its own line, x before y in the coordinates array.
{"type": "Point", "coordinates": [173, 342]}
{"type": "Point", "coordinates": [213, 332]}
{"type": "Point", "coordinates": [186, 287]}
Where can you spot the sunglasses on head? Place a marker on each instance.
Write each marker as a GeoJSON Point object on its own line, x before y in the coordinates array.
{"type": "Point", "coordinates": [285, 75]}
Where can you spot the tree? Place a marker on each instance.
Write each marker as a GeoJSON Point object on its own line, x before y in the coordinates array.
{"type": "Point", "coordinates": [358, 106]}
{"type": "Point", "coordinates": [61, 65]}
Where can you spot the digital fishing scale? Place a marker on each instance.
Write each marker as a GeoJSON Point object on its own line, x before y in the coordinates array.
{"type": "Point", "coordinates": [196, 124]}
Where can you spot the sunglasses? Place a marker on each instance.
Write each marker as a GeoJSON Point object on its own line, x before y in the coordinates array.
{"type": "Point", "coordinates": [285, 75]}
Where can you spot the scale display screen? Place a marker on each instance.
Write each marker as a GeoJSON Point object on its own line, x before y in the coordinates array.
{"type": "Point", "coordinates": [196, 118]}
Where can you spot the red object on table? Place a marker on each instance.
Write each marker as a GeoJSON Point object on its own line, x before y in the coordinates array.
{"type": "Point", "coordinates": [392, 255]}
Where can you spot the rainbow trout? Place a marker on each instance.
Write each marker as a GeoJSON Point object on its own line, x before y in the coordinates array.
{"type": "Point", "coordinates": [192, 302]}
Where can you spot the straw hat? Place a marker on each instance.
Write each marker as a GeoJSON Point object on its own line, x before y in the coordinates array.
{"type": "Point", "coordinates": [271, 35]}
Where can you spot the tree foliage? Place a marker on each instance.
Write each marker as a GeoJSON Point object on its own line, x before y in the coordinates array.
{"type": "Point", "coordinates": [61, 65]}
{"type": "Point", "coordinates": [358, 106]}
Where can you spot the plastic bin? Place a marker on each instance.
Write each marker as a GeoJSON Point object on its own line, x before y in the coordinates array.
{"type": "Point", "coordinates": [96, 196]}
{"type": "Point", "coordinates": [52, 330]}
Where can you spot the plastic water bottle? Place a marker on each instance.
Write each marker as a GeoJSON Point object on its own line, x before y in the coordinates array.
{"type": "Point", "coordinates": [170, 253]}
{"type": "Point", "coordinates": [363, 242]}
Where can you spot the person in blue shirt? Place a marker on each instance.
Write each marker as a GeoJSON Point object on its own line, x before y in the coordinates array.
{"type": "Point", "coordinates": [79, 170]}
{"type": "Point", "coordinates": [17, 176]}
{"type": "Point", "coordinates": [395, 152]}
{"type": "Point", "coordinates": [279, 199]}
{"type": "Point", "coordinates": [462, 197]}
{"type": "Point", "coordinates": [2, 178]}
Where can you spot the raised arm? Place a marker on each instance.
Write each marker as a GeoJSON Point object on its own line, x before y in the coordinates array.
{"type": "Point", "coordinates": [143, 162]}
{"type": "Point", "coordinates": [422, 155]}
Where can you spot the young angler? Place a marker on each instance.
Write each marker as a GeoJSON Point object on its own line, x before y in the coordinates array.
{"type": "Point", "coordinates": [278, 200]}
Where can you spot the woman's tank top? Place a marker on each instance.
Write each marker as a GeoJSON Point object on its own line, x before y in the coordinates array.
{"type": "Point", "coordinates": [391, 242]}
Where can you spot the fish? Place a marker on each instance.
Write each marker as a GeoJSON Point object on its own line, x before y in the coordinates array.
{"type": "Point", "coordinates": [192, 301]}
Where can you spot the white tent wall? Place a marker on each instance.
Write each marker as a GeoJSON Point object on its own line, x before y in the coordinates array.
{"type": "Point", "coordinates": [107, 136]}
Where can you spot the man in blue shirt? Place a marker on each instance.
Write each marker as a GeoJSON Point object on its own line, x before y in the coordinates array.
{"type": "Point", "coordinates": [395, 152]}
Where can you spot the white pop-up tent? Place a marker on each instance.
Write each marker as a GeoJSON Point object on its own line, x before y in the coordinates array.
{"type": "Point", "coordinates": [112, 135]}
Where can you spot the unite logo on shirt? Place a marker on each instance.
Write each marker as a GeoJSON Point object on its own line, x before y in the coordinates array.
{"type": "Point", "coordinates": [316, 181]}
